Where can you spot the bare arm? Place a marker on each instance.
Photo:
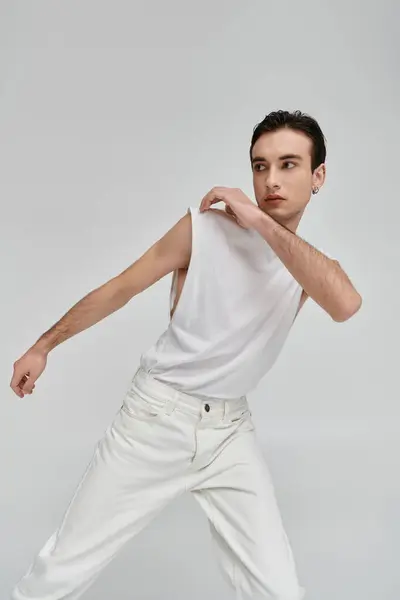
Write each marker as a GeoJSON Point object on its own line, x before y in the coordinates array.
{"type": "Point", "coordinates": [169, 253]}
{"type": "Point", "coordinates": [321, 277]}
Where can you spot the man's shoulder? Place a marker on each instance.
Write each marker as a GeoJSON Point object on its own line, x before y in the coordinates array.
{"type": "Point", "coordinates": [222, 220]}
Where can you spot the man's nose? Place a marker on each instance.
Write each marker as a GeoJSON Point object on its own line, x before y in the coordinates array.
{"type": "Point", "coordinates": [271, 181]}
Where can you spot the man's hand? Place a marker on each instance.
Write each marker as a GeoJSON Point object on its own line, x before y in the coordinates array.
{"type": "Point", "coordinates": [237, 205]}
{"type": "Point", "coordinates": [27, 369]}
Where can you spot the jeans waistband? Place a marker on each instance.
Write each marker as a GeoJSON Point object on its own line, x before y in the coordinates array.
{"type": "Point", "coordinates": [147, 384]}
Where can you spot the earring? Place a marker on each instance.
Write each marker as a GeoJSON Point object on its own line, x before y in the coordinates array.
{"type": "Point", "coordinates": [315, 190]}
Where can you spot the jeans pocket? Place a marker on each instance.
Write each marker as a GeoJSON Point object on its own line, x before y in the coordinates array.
{"type": "Point", "coordinates": [241, 416]}
{"type": "Point", "coordinates": [137, 407]}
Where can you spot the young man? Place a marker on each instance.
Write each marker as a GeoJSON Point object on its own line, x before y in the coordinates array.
{"type": "Point", "coordinates": [240, 277]}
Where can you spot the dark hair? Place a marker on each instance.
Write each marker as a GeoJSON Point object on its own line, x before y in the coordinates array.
{"type": "Point", "coordinates": [298, 121]}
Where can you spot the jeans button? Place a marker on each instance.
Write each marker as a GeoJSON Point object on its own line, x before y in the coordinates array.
{"type": "Point", "coordinates": [207, 407]}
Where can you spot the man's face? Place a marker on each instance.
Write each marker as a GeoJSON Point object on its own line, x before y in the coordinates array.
{"type": "Point", "coordinates": [281, 164]}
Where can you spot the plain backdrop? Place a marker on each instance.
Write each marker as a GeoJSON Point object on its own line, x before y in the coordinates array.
{"type": "Point", "coordinates": [114, 118]}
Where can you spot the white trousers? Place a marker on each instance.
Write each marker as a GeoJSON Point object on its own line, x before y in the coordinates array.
{"type": "Point", "coordinates": [161, 443]}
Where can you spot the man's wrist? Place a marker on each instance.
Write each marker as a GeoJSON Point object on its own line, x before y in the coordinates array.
{"type": "Point", "coordinates": [262, 220]}
{"type": "Point", "coordinates": [43, 345]}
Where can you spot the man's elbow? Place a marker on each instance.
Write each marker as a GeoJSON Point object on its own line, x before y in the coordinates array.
{"type": "Point", "coordinates": [349, 310]}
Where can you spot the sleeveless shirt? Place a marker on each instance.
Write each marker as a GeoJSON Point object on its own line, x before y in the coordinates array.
{"type": "Point", "coordinates": [234, 313]}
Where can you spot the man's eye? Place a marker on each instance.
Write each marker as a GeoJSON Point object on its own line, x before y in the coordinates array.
{"type": "Point", "coordinates": [289, 163]}
{"type": "Point", "coordinates": [255, 167]}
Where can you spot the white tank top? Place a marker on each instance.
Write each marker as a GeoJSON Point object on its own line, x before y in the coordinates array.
{"type": "Point", "coordinates": [234, 313]}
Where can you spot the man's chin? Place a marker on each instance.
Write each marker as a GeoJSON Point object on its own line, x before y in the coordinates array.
{"type": "Point", "coordinates": [271, 208]}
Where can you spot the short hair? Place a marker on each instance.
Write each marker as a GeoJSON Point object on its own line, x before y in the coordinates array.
{"type": "Point", "coordinates": [296, 120]}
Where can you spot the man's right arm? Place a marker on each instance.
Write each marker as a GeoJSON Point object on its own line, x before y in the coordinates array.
{"type": "Point", "coordinates": [169, 253]}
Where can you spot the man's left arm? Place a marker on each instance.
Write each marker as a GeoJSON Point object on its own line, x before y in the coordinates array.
{"type": "Point", "coordinates": [321, 277]}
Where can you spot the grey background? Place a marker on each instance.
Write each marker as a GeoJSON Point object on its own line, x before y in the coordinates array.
{"type": "Point", "coordinates": [114, 117]}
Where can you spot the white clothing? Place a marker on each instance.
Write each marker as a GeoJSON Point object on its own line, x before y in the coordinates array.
{"type": "Point", "coordinates": [163, 443]}
{"type": "Point", "coordinates": [235, 311]}
{"type": "Point", "coordinates": [185, 426]}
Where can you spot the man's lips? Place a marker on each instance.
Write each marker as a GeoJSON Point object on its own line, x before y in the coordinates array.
{"type": "Point", "coordinates": [273, 198]}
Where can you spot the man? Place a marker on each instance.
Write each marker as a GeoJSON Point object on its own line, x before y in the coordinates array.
{"type": "Point", "coordinates": [240, 277]}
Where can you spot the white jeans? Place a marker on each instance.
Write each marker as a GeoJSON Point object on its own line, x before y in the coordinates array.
{"type": "Point", "coordinates": [162, 443]}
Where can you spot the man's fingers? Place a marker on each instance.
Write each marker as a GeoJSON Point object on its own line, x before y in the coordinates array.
{"type": "Point", "coordinates": [206, 202]}
{"type": "Point", "coordinates": [18, 383]}
{"type": "Point", "coordinates": [213, 196]}
{"type": "Point", "coordinates": [229, 210]}
{"type": "Point", "coordinates": [16, 378]}
{"type": "Point", "coordinates": [15, 384]}
{"type": "Point", "coordinates": [18, 391]}
{"type": "Point", "coordinates": [231, 213]}
{"type": "Point", "coordinates": [23, 380]}
{"type": "Point", "coordinates": [25, 385]}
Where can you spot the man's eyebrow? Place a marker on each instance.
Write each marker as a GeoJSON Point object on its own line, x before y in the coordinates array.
{"type": "Point", "coordinates": [284, 157]}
